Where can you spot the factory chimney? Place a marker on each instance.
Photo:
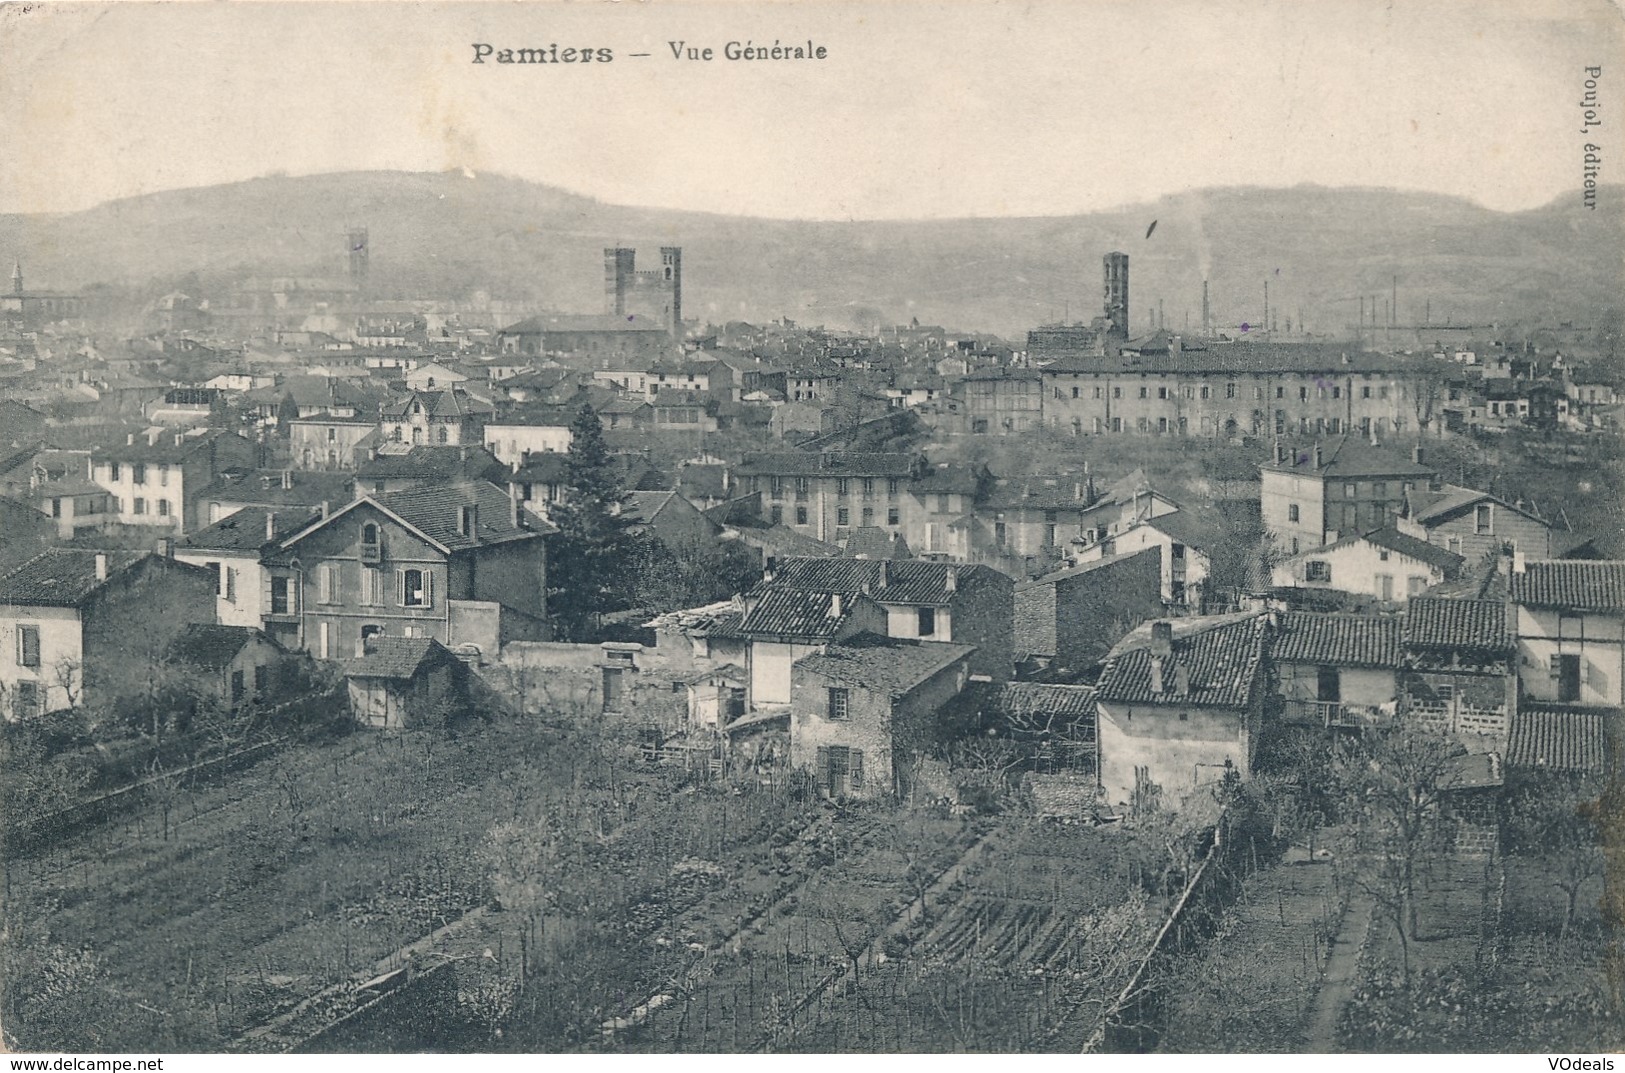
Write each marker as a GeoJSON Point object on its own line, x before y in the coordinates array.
{"type": "Point", "coordinates": [1207, 320]}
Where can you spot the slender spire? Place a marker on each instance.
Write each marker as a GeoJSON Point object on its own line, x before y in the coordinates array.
{"type": "Point", "coordinates": [16, 277]}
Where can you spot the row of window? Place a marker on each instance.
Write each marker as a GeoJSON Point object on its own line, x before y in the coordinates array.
{"type": "Point", "coordinates": [1204, 391]}
{"type": "Point", "coordinates": [138, 472]}
{"type": "Point", "coordinates": [414, 588]}
{"type": "Point", "coordinates": [139, 505]}
{"type": "Point", "coordinates": [843, 487]}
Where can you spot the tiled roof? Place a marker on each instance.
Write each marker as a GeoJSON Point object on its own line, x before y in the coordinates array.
{"type": "Point", "coordinates": [245, 529]}
{"type": "Point", "coordinates": [454, 403]}
{"type": "Point", "coordinates": [1392, 539]}
{"type": "Point", "coordinates": [1345, 458]}
{"type": "Point", "coordinates": [883, 664]}
{"type": "Point", "coordinates": [829, 464]}
{"type": "Point", "coordinates": [1578, 584]}
{"type": "Point", "coordinates": [582, 322]}
{"type": "Point", "coordinates": [950, 478]}
{"type": "Point", "coordinates": [434, 512]}
{"type": "Point", "coordinates": [62, 577]}
{"type": "Point", "coordinates": [1477, 624]}
{"type": "Point", "coordinates": [797, 614]}
{"type": "Point", "coordinates": [1038, 492]}
{"type": "Point", "coordinates": [1067, 573]}
{"type": "Point", "coordinates": [643, 506]}
{"type": "Point", "coordinates": [430, 462]}
{"type": "Point", "coordinates": [545, 467]}
{"type": "Point", "coordinates": [1559, 739]}
{"type": "Point", "coordinates": [210, 646]}
{"type": "Point", "coordinates": [781, 541]}
{"type": "Point", "coordinates": [1222, 664]}
{"type": "Point", "coordinates": [1301, 358]}
{"type": "Point", "coordinates": [902, 581]}
{"type": "Point", "coordinates": [396, 657]}
{"type": "Point", "coordinates": [1337, 640]}
{"type": "Point", "coordinates": [1027, 709]}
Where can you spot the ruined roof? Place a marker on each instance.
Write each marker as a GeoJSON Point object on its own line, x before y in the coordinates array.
{"type": "Point", "coordinates": [1221, 661]}
{"type": "Point", "coordinates": [1337, 639]}
{"type": "Point", "coordinates": [1576, 584]}
{"type": "Point", "coordinates": [883, 664]}
{"type": "Point", "coordinates": [1444, 623]}
{"type": "Point", "coordinates": [1559, 739]}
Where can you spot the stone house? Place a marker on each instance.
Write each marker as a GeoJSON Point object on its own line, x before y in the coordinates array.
{"type": "Point", "coordinates": [1073, 616]}
{"type": "Point", "coordinates": [234, 663]}
{"type": "Point", "coordinates": [862, 709]}
{"type": "Point", "coordinates": [1180, 705]}
{"type": "Point", "coordinates": [77, 627]}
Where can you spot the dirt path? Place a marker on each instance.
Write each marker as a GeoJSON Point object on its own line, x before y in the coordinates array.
{"type": "Point", "coordinates": [1337, 978]}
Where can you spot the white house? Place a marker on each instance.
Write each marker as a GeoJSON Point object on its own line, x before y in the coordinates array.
{"type": "Point", "coordinates": [1571, 630]}
{"type": "Point", "coordinates": [1384, 563]}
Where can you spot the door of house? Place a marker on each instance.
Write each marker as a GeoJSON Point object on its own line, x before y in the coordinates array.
{"type": "Point", "coordinates": [1328, 684]}
{"type": "Point", "coordinates": [612, 688]}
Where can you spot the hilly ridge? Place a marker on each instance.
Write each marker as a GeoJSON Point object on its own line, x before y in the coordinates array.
{"type": "Point", "coordinates": [450, 234]}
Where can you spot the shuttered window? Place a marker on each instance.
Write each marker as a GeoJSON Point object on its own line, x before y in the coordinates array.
{"type": "Point", "coordinates": [28, 646]}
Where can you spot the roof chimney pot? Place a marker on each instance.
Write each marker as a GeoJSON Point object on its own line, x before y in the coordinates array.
{"type": "Point", "coordinates": [101, 566]}
{"type": "Point", "coordinates": [1162, 639]}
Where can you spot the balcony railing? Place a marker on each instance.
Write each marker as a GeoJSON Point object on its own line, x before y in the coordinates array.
{"type": "Point", "coordinates": [1334, 713]}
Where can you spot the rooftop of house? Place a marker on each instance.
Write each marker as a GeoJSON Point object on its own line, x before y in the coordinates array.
{"type": "Point", "coordinates": [794, 613]}
{"type": "Point", "coordinates": [883, 664]}
{"type": "Point", "coordinates": [1391, 539]}
{"type": "Point", "coordinates": [1559, 739]}
{"type": "Point", "coordinates": [1337, 639]}
{"type": "Point", "coordinates": [1478, 625]}
{"type": "Point", "coordinates": [1303, 359]}
{"type": "Point", "coordinates": [1105, 562]}
{"type": "Point", "coordinates": [245, 530]}
{"type": "Point", "coordinates": [873, 542]}
{"type": "Point", "coordinates": [159, 445]}
{"type": "Point", "coordinates": [1435, 506]}
{"type": "Point", "coordinates": [64, 577]}
{"type": "Point", "coordinates": [1215, 662]}
{"type": "Point", "coordinates": [1347, 458]}
{"type": "Point", "coordinates": [210, 646]}
{"type": "Point", "coordinates": [397, 657]}
{"type": "Point", "coordinates": [436, 513]}
{"type": "Point", "coordinates": [829, 464]}
{"type": "Point", "coordinates": [700, 621]}
{"type": "Point", "coordinates": [582, 322]}
{"type": "Point", "coordinates": [451, 403]}
{"type": "Point", "coordinates": [432, 462]}
{"type": "Point", "coordinates": [949, 478]}
{"type": "Point", "coordinates": [1571, 584]}
{"type": "Point", "coordinates": [302, 488]}
{"type": "Point", "coordinates": [1039, 492]}
{"type": "Point", "coordinates": [781, 541]}
{"type": "Point", "coordinates": [886, 581]}
{"type": "Point", "coordinates": [1031, 709]}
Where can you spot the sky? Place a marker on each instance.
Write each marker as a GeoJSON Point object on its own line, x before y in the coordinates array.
{"type": "Point", "coordinates": [921, 110]}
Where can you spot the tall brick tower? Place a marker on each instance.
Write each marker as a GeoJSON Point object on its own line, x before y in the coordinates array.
{"type": "Point", "coordinates": [1116, 292]}
{"type": "Point", "coordinates": [671, 271]}
{"type": "Point", "coordinates": [652, 295]}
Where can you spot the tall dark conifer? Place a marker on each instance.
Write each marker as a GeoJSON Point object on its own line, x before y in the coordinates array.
{"type": "Point", "coordinates": [591, 551]}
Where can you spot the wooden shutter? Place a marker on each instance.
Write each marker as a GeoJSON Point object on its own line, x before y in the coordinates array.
{"type": "Point", "coordinates": [28, 643]}
{"type": "Point", "coordinates": [231, 584]}
{"type": "Point", "coordinates": [855, 769]}
{"type": "Point", "coordinates": [400, 586]}
{"type": "Point", "coordinates": [428, 588]}
{"type": "Point", "coordinates": [821, 767]}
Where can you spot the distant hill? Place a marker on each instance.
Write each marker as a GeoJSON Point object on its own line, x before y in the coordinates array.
{"type": "Point", "coordinates": [449, 234]}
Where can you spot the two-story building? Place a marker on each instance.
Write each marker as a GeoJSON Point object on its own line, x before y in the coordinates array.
{"type": "Point", "coordinates": [864, 710]}
{"type": "Point", "coordinates": [1180, 705]}
{"type": "Point", "coordinates": [1570, 630]}
{"type": "Point", "coordinates": [233, 551]}
{"type": "Point", "coordinates": [459, 563]}
{"type": "Point", "coordinates": [80, 627]}
{"type": "Point", "coordinates": [922, 600]}
{"type": "Point", "coordinates": [1337, 670]}
{"type": "Point", "coordinates": [1474, 524]}
{"type": "Point", "coordinates": [449, 417]}
{"type": "Point", "coordinates": [511, 440]}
